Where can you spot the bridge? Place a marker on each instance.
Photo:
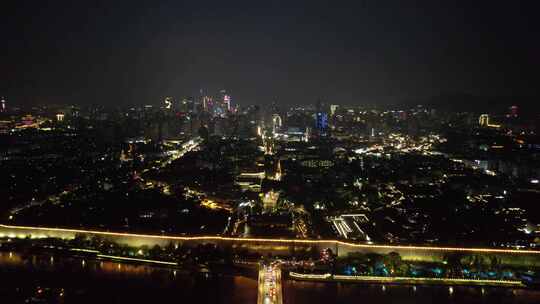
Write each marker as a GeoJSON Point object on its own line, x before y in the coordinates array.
{"type": "Point", "coordinates": [269, 289]}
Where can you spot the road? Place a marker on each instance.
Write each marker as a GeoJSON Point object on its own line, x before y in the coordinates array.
{"type": "Point", "coordinates": [185, 148]}
{"type": "Point", "coordinates": [269, 289]}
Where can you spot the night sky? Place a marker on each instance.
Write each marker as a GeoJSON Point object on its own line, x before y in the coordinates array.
{"type": "Point", "coordinates": [350, 52]}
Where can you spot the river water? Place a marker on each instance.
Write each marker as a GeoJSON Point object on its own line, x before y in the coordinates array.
{"type": "Point", "coordinates": [94, 281]}
{"type": "Point", "coordinates": [76, 280]}
{"type": "Point", "coordinates": [314, 293]}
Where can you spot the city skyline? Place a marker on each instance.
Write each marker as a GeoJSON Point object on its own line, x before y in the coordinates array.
{"type": "Point", "coordinates": [279, 152]}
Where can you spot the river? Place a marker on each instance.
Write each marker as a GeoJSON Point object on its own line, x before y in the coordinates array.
{"type": "Point", "coordinates": [75, 280]}
{"type": "Point", "coordinates": [299, 292]}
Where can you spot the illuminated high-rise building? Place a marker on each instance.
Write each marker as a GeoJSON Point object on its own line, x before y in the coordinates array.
{"type": "Point", "coordinates": [190, 105]}
{"type": "Point", "coordinates": [220, 105]}
{"type": "Point", "coordinates": [321, 122]}
{"type": "Point", "coordinates": [483, 121]}
{"type": "Point", "coordinates": [227, 102]}
{"type": "Point", "coordinates": [333, 109]}
{"type": "Point", "coordinates": [321, 119]}
{"type": "Point", "coordinates": [3, 107]}
{"type": "Point", "coordinates": [207, 103]}
{"type": "Point", "coordinates": [168, 103]}
{"type": "Point", "coordinates": [186, 105]}
{"type": "Point", "coordinates": [276, 123]}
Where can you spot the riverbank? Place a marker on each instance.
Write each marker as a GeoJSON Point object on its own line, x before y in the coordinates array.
{"type": "Point", "coordinates": [404, 280]}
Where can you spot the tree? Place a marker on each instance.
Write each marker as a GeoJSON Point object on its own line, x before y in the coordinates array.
{"type": "Point", "coordinates": [476, 263]}
{"type": "Point", "coordinates": [393, 262]}
{"type": "Point", "coordinates": [155, 251]}
{"type": "Point", "coordinates": [495, 263]}
{"type": "Point", "coordinates": [79, 240]}
{"type": "Point", "coordinates": [453, 262]}
{"type": "Point", "coordinates": [375, 261]}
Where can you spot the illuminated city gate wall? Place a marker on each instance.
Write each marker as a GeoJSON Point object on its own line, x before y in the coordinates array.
{"type": "Point", "coordinates": [277, 247]}
{"type": "Point", "coordinates": [437, 254]}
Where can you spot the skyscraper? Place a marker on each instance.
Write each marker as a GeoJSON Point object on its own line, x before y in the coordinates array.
{"type": "Point", "coordinates": [227, 102]}
{"type": "Point", "coordinates": [206, 103]}
{"type": "Point", "coordinates": [321, 122]}
{"type": "Point", "coordinates": [483, 121]}
{"type": "Point", "coordinates": [321, 119]}
{"type": "Point", "coordinates": [333, 109]}
{"type": "Point", "coordinates": [276, 123]}
{"type": "Point", "coordinates": [168, 102]}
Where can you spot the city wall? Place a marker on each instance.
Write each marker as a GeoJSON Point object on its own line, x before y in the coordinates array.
{"type": "Point", "coordinates": [281, 247]}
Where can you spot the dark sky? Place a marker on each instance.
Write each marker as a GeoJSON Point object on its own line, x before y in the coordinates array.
{"type": "Point", "coordinates": [122, 52]}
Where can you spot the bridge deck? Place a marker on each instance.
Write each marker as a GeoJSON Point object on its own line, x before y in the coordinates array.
{"type": "Point", "coordinates": [269, 289]}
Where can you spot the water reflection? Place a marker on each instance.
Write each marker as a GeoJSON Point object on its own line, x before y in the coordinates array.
{"type": "Point", "coordinates": [299, 292]}
{"type": "Point", "coordinates": [78, 280]}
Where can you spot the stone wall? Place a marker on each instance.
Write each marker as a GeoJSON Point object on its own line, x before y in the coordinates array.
{"type": "Point", "coordinates": [275, 246]}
